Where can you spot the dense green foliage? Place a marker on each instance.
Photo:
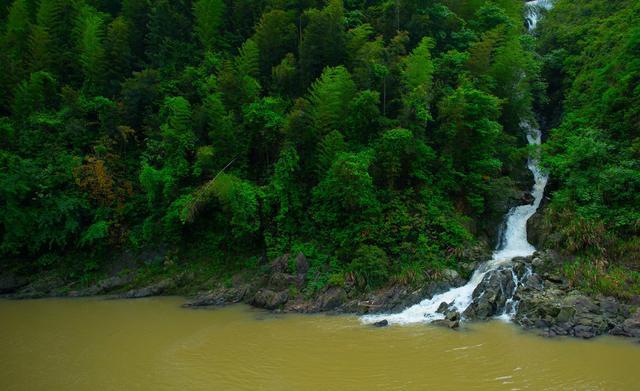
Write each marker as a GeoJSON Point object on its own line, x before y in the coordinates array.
{"type": "Point", "coordinates": [374, 136]}
{"type": "Point", "coordinates": [592, 61]}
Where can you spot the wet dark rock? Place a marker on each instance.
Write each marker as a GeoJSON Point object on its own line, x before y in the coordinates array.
{"type": "Point", "coordinates": [491, 295]}
{"type": "Point", "coordinates": [302, 265]}
{"type": "Point", "coordinates": [533, 282]}
{"type": "Point", "coordinates": [452, 324]}
{"type": "Point", "coordinates": [527, 198]}
{"type": "Point", "coordinates": [219, 297]}
{"type": "Point", "coordinates": [629, 327]}
{"type": "Point", "coordinates": [279, 281]}
{"type": "Point", "coordinates": [452, 316]}
{"type": "Point", "coordinates": [107, 285]}
{"type": "Point", "coordinates": [155, 289]}
{"type": "Point", "coordinates": [48, 284]}
{"type": "Point", "coordinates": [558, 311]}
{"type": "Point", "coordinates": [443, 308]}
{"type": "Point", "coordinates": [270, 300]}
{"type": "Point", "coordinates": [382, 323]}
{"type": "Point", "coordinates": [280, 264]}
{"type": "Point", "coordinates": [331, 299]}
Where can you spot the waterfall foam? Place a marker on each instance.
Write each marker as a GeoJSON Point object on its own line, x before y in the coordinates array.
{"type": "Point", "coordinates": [513, 244]}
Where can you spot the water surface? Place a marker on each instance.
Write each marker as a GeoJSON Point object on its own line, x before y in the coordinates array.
{"type": "Point", "coordinates": [153, 344]}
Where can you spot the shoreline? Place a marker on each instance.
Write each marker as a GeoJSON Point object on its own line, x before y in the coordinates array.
{"type": "Point", "coordinates": [546, 305]}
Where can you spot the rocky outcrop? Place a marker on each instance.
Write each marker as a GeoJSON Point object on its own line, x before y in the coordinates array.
{"type": "Point", "coordinates": [495, 293]}
{"type": "Point", "coordinates": [556, 312]}
{"type": "Point", "coordinates": [270, 300]}
{"type": "Point", "coordinates": [490, 297]}
{"type": "Point", "coordinates": [220, 297]}
{"type": "Point", "coordinates": [629, 327]}
{"type": "Point", "coordinates": [48, 284]}
{"type": "Point", "coordinates": [154, 289]}
{"type": "Point", "coordinates": [104, 286]}
{"type": "Point", "coordinates": [547, 303]}
{"type": "Point", "coordinates": [451, 320]}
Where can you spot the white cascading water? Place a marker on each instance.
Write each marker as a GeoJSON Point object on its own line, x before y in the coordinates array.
{"type": "Point", "coordinates": [514, 238]}
{"type": "Point", "coordinates": [533, 9]}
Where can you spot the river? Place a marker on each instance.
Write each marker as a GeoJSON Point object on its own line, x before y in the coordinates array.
{"type": "Point", "coordinates": [153, 344]}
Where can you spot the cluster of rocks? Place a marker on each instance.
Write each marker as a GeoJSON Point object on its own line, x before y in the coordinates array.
{"type": "Point", "coordinates": [526, 288]}
{"type": "Point", "coordinates": [547, 303]}
{"type": "Point", "coordinates": [280, 290]}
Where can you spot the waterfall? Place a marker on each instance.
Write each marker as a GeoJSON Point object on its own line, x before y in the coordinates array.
{"type": "Point", "coordinates": [513, 244]}
{"type": "Point", "coordinates": [533, 9]}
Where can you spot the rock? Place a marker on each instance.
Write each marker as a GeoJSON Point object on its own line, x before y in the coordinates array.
{"type": "Point", "coordinates": [566, 315]}
{"type": "Point", "coordinates": [629, 328]}
{"type": "Point", "coordinates": [452, 316]}
{"type": "Point", "coordinates": [302, 265]}
{"type": "Point", "coordinates": [219, 297]}
{"type": "Point", "coordinates": [450, 275]}
{"type": "Point", "coordinates": [269, 299]}
{"type": "Point", "coordinates": [443, 307]}
{"type": "Point", "coordinates": [537, 262]}
{"type": "Point", "coordinates": [48, 284]}
{"type": "Point", "coordinates": [452, 324]}
{"type": "Point", "coordinates": [151, 290]}
{"type": "Point", "coordinates": [533, 282]}
{"type": "Point", "coordinates": [280, 264]}
{"type": "Point", "coordinates": [104, 286]}
{"type": "Point", "coordinates": [11, 282]}
{"type": "Point", "coordinates": [280, 281]}
{"type": "Point", "coordinates": [554, 278]}
{"type": "Point", "coordinates": [520, 268]}
{"type": "Point", "coordinates": [331, 299]}
{"type": "Point", "coordinates": [527, 198]}
{"type": "Point", "coordinates": [382, 323]}
{"type": "Point", "coordinates": [491, 295]}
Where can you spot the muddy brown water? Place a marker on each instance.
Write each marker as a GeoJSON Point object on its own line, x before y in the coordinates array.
{"type": "Point", "coordinates": [153, 344]}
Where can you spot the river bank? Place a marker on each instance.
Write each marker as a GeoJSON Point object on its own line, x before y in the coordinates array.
{"type": "Point", "coordinates": [529, 291]}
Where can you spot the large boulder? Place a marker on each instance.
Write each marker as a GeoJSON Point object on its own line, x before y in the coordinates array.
{"type": "Point", "coordinates": [491, 295]}
{"type": "Point", "coordinates": [557, 311]}
{"type": "Point", "coordinates": [331, 299]}
{"type": "Point", "coordinates": [629, 327]}
{"type": "Point", "coordinates": [270, 300]}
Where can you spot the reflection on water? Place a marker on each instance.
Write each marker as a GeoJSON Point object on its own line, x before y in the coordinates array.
{"type": "Point", "coordinates": [153, 344]}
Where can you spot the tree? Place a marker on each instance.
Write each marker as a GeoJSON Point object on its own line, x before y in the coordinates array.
{"type": "Point", "coordinates": [470, 133]}
{"type": "Point", "coordinates": [119, 52]}
{"type": "Point", "coordinates": [330, 96]}
{"type": "Point", "coordinates": [275, 36]}
{"type": "Point", "coordinates": [417, 79]}
{"type": "Point", "coordinates": [323, 41]}
{"type": "Point", "coordinates": [91, 31]}
{"type": "Point", "coordinates": [208, 17]}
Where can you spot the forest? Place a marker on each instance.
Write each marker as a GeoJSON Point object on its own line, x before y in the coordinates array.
{"type": "Point", "coordinates": [383, 139]}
